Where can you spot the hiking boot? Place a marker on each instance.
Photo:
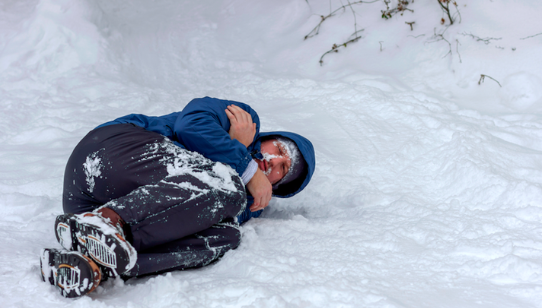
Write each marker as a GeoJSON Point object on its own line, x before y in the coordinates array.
{"type": "Point", "coordinates": [73, 273]}
{"type": "Point", "coordinates": [95, 237]}
{"type": "Point", "coordinates": [113, 218]}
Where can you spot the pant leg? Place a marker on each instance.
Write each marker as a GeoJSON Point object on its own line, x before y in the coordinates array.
{"type": "Point", "coordinates": [192, 251]}
{"type": "Point", "coordinates": [162, 191]}
{"type": "Point", "coordinates": [176, 207]}
{"type": "Point", "coordinates": [108, 163]}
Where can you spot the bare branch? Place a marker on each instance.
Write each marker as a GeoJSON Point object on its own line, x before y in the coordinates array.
{"type": "Point", "coordinates": [440, 37]}
{"type": "Point", "coordinates": [335, 47]}
{"type": "Point", "coordinates": [457, 12]}
{"type": "Point", "coordinates": [449, 45]}
{"type": "Point", "coordinates": [457, 50]}
{"type": "Point", "coordinates": [401, 8]}
{"type": "Point", "coordinates": [482, 77]}
{"type": "Point", "coordinates": [316, 29]}
{"type": "Point", "coordinates": [524, 38]}
{"type": "Point", "coordinates": [355, 20]}
{"type": "Point", "coordinates": [445, 6]}
{"type": "Point", "coordinates": [479, 39]}
{"type": "Point", "coordinates": [446, 9]}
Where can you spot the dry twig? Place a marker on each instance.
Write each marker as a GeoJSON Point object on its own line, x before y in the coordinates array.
{"type": "Point", "coordinates": [479, 39]}
{"type": "Point", "coordinates": [354, 37]}
{"type": "Point", "coordinates": [335, 47]}
{"type": "Point", "coordinates": [417, 36]}
{"type": "Point", "coordinates": [401, 8]}
{"type": "Point", "coordinates": [445, 6]}
{"type": "Point", "coordinates": [457, 50]}
{"type": "Point", "coordinates": [482, 77]}
{"type": "Point", "coordinates": [440, 37]}
{"type": "Point", "coordinates": [316, 29]}
{"type": "Point", "coordinates": [524, 38]}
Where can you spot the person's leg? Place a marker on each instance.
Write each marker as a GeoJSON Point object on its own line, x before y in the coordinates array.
{"type": "Point", "coordinates": [192, 251]}
{"type": "Point", "coordinates": [110, 162]}
{"type": "Point", "coordinates": [163, 192]}
{"type": "Point", "coordinates": [141, 174]}
{"type": "Point", "coordinates": [176, 207]}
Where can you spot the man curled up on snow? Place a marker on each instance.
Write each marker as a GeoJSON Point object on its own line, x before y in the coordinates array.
{"type": "Point", "coordinates": [145, 195]}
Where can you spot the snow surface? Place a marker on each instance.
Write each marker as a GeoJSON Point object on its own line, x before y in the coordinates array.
{"type": "Point", "coordinates": [428, 186]}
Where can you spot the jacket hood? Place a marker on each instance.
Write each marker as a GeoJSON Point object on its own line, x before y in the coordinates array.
{"type": "Point", "coordinates": [307, 150]}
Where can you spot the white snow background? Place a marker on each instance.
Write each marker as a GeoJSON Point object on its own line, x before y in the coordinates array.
{"type": "Point", "coordinates": [428, 186]}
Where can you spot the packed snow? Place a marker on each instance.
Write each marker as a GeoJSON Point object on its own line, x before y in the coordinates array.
{"type": "Point", "coordinates": [428, 185]}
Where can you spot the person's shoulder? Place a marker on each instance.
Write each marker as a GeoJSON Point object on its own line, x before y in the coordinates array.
{"type": "Point", "coordinates": [215, 103]}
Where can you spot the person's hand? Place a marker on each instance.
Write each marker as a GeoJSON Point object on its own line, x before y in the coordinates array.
{"type": "Point", "coordinates": [241, 126]}
{"type": "Point", "coordinates": [260, 188]}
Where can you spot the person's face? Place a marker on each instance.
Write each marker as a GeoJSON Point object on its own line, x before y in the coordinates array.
{"type": "Point", "coordinates": [276, 162]}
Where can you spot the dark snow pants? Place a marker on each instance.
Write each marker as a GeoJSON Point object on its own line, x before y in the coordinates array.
{"type": "Point", "coordinates": [179, 206]}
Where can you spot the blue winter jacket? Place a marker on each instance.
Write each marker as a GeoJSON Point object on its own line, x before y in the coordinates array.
{"type": "Point", "coordinates": [202, 126]}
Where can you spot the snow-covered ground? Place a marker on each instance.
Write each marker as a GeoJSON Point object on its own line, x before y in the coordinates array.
{"type": "Point", "coordinates": [428, 187]}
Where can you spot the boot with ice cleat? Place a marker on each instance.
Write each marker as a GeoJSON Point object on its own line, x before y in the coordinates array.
{"type": "Point", "coordinates": [95, 237]}
{"type": "Point", "coordinates": [73, 273]}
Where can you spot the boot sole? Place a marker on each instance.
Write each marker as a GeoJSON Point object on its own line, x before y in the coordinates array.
{"type": "Point", "coordinates": [73, 273]}
{"type": "Point", "coordinates": [92, 236]}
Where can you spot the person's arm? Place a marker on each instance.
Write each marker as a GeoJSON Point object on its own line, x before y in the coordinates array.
{"type": "Point", "coordinates": [221, 131]}
{"type": "Point", "coordinates": [261, 190]}
{"type": "Point", "coordinates": [242, 128]}
{"type": "Point", "coordinates": [203, 127]}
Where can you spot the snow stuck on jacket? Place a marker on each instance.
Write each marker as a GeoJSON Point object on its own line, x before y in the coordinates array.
{"type": "Point", "coordinates": [428, 185]}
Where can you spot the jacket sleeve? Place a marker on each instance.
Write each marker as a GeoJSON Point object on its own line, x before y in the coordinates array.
{"type": "Point", "coordinates": [162, 124]}
{"type": "Point", "coordinates": [247, 214]}
{"type": "Point", "coordinates": [203, 127]}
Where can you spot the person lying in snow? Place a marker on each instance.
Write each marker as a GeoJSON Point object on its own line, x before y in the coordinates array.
{"type": "Point", "coordinates": [145, 195]}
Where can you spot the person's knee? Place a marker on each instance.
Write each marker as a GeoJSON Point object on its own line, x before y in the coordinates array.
{"type": "Point", "coordinates": [229, 236]}
{"type": "Point", "coordinates": [234, 236]}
